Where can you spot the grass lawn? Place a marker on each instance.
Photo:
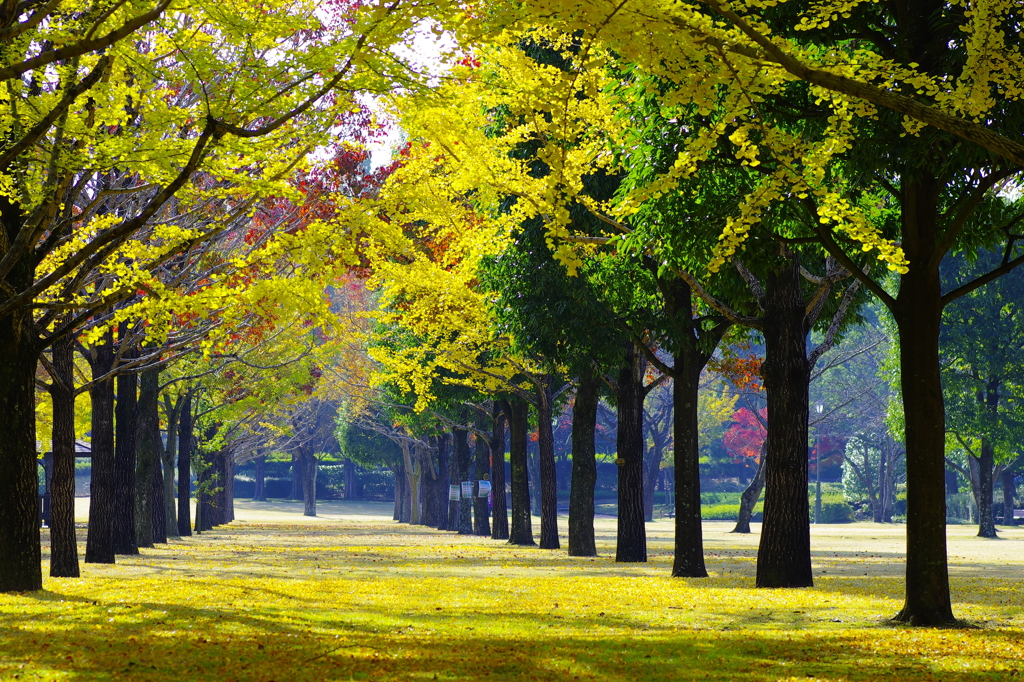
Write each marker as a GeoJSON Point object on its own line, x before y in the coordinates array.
{"type": "Point", "coordinates": [354, 595]}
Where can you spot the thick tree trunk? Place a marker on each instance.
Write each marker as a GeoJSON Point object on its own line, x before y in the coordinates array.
{"type": "Point", "coordinates": [750, 496]}
{"type": "Point", "coordinates": [168, 455]}
{"type": "Point", "coordinates": [400, 484]}
{"type": "Point", "coordinates": [1008, 493]}
{"type": "Point", "coordinates": [784, 554]}
{"type": "Point", "coordinates": [20, 551]}
{"type": "Point", "coordinates": [99, 545]}
{"type": "Point", "coordinates": [260, 492]}
{"type": "Point", "coordinates": [521, 532]}
{"type": "Point", "coordinates": [499, 501]}
{"type": "Point", "coordinates": [63, 544]}
{"type": "Point", "coordinates": [546, 461]}
{"type": "Point", "coordinates": [185, 467]}
{"type": "Point", "coordinates": [443, 480]}
{"type": "Point", "coordinates": [229, 488]}
{"type": "Point", "coordinates": [482, 471]}
{"type": "Point", "coordinates": [465, 461]}
{"type": "Point", "coordinates": [584, 468]}
{"type": "Point", "coordinates": [125, 453]}
{"type": "Point", "coordinates": [147, 454]}
{"type": "Point", "coordinates": [631, 545]}
{"type": "Point", "coordinates": [986, 490]}
{"type": "Point", "coordinates": [432, 488]}
{"type": "Point", "coordinates": [309, 472]}
{"type": "Point", "coordinates": [689, 545]}
{"type": "Point", "coordinates": [412, 486]}
{"type": "Point", "coordinates": [918, 312]}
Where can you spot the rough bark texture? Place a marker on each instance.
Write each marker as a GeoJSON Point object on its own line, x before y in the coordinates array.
{"type": "Point", "coordinates": [260, 492]}
{"type": "Point", "coordinates": [465, 461]}
{"type": "Point", "coordinates": [917, 312]}
{"type": "Point", "coordinates": [689, 542]}
{"type": "Point", "coordinates": [521, 532]}
{"type": "Point", "coordinates": [433, 495]}
{"type": "Point", "coordinates": [631, 544]}
{"type": "Point", "coordinates": [350, 492]}
{"type": "Point", "coordinates": [20, 552]}
{"type": "Point", "coordinates": [125, 454]}
{"type": "Point", "coordinates": [784, 553]}
{"type": "Point", "coordinates": [499, 526]}
{"type": "Point", "coordinates": [546, 462]}
{"type": "Point", "coordinates": [584, 468]}
{"type": "Point", "coordinates": [63, 544]}
{"type": "Point", "coordinates": [147, 455]}
{"type": "Point", "coordinates": [750, 496]}
{"type": "Point", "coordinates": [652, 473]}
{"type": "Point", "coordinates": [99, 545]}
{"type": "Point", "coordinates": [296, 493]}
{"type": "Point", "coordinates": [185, 467]}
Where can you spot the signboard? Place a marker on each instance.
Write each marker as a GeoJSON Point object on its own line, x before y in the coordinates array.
{"type": "Point", "coordinates": [453, 493]}
{"type": "Point", "coordinates": [467, 489]}
{"type": "Point", "coordinates": [483, 488]}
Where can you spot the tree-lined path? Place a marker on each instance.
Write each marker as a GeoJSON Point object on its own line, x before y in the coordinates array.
{"type": "Point", "coordinates": [354, 595]}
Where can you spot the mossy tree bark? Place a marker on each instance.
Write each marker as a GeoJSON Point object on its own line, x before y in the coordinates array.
{"type": "Point", "coordinates": [631, 538]}
{"type": "Point", "coordinates": [147, 454]}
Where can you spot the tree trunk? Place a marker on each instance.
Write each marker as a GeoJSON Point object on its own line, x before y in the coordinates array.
{"type": "Point", "coordinates": [185, 466]}
{"type": "Point", "coordinates": [499, 501]}
{"type": "Point", "coordinates": [159, 518]}
{"type": "Point", "coordinates": [296, 493]}
{"type": "Point", "coordinates": [631, 545]}
{"type": "Point", "coordinates": [584, 468]}
{"type": "Point", "coordinates": [168, 455]}
{"type": "Point", "coordinates": [412, 478]}
{"type": "Point", "coordinates": [309, 472]}
{"type": "Point", "coordinates": [689, 545]}
{"type": "Point", "coordinates": [482, 471]}
{"type": "Point", "coordinates": [20, 551]}
{"type": "Point", "coordinates": [63, 543]}
{"type": "Point", "coordinates": [1008, 493]}
{"type": "Point", "coordinates": [465, 462]}
{"type": "Point", "coordinates": [147, 455]}
{"type": "Point", "coordinates": [99, 545]}
{"type": "Point", "coordinates": [784, 553]}
{"type": "Point", "coordinates": [443, 480]}
{"type": "Point", "coordinates": [399, 493]}
{"type": "Point", "coordinates": [918, 312]}
{"type": "Point", "coordinates": [546, 462]}
{"type": "Point", "coordinates": [260, 492]}
{"type": "Point", "coordinates": [878, 510]}
{"type": "Point", "coordinates": [350, 480]}
{"type": "Point", "coordinates": [432, 487]}
{"type": "Point", "coordinates": [652, 470]}
{"type": "Point", "coordinates": [986, 467]}
{"type": "Point", "coordinates": [521, 532]}
{"type": "Point", "coordinates": [986, 490]}
{"type": "Point", "coordinates": [750, 496]}
{"type": "Point", "coordinates": [125, 453]}
{"type": "Point", "coordinates": [229, 488]}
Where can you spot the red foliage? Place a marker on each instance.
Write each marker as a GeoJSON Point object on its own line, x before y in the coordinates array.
{"type": "Point", "coordinates": [744, 439]}
{"type": "Point", "coordinates": [742, 372]}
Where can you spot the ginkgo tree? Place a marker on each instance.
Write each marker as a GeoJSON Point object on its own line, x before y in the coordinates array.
{"type": "Point", "coordinates": [141, 88]}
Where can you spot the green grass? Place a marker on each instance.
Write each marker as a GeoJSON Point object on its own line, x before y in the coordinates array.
{"type": "Point", "coordinates": [353, 595]}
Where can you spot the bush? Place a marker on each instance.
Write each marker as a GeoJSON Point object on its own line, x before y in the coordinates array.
{"type": "Point", "coordinates": [727, 512]}
{"type": "Point", "coordinates": [834, 509]}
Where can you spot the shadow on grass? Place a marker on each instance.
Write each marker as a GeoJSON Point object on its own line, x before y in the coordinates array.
{"type": "Point", "coordinates": [160, 641]}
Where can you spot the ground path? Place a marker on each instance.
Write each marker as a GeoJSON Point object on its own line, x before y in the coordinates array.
{"type": "Point", "coordinates": [354, 595]}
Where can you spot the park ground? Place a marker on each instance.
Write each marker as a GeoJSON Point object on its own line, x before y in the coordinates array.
{"type": "Point", "coordinates": [354, 595]}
